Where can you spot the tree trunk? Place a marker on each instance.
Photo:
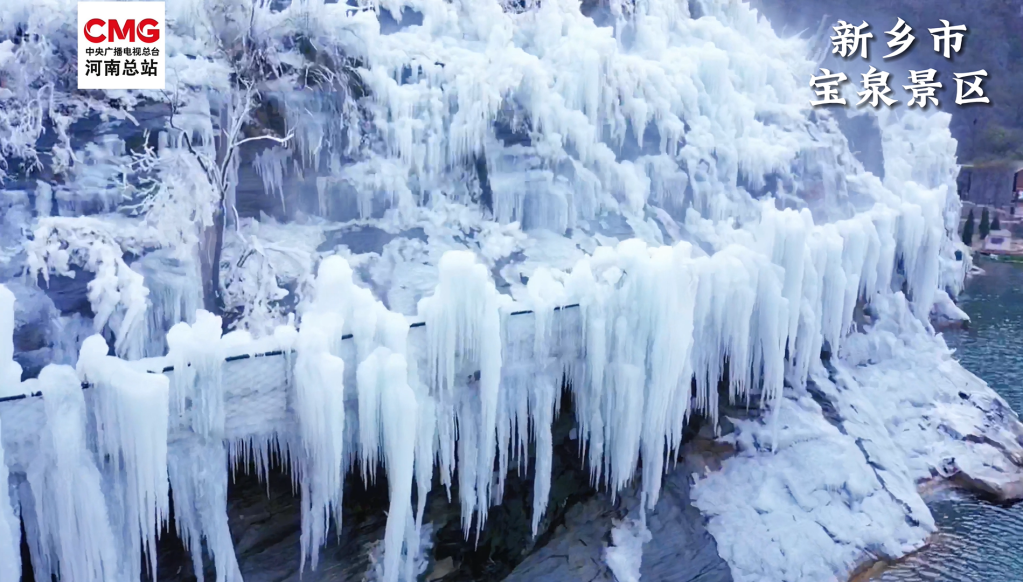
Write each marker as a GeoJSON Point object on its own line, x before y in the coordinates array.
{"type": "Point", "coordinates": [211, 244]}
{"type": "Point", "coordinates": [210, 249]}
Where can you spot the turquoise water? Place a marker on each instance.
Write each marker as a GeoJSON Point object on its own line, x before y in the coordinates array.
{"type": "Point", "coordinates": [978, 541]}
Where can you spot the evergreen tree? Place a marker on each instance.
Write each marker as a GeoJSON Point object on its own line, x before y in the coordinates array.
{"type": "Point", "coordinates": [968, 229]}
{"type": "Point", "coordinates": [985, 224]}
{"type": "Point", "coordinates": [995, 224]}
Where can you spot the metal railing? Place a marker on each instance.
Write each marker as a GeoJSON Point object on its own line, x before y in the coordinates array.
{"type": "Point", "coordinates": [347, 336]}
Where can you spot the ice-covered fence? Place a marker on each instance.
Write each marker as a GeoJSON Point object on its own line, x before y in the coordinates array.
{"type": "Point", "coordinates": [259, 412]}
{"type": "Point", "coordinates": [247, 356]}
{"type": "Point", "coordinates": [255, 388]}
{"type": "Point", "coordinates": [355, 388]}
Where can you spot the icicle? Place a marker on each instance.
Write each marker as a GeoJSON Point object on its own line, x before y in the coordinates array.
{"type": "Point", "coordinates": [10, 525]}
{"type": "Point", "coordinates": [198, 462]}
{"type": "Point", "coordinates": [10, 371]}
{"type": "Point", "coordinates": [131, 410]}
{"type": "Point", "coordinates": [426, 437]}
{"type": "Point", "coordinates": [463, 319]}
{"type": "Point", "coordinates": [198, 480]}
{"type": "Point", "coordinates": [72, 513]}
{"type": "Point", "coordinates": [195, 353]}
{"type": "Point", "coordinates": [320, 408]}
{"type": "Point", "coordinates": [270, 165]}
{"type": "Point", "coordinates": [369, 386]}
{"type": "Point", "coordinates": [400, 411]}
{"type": "Point", "coordinates": [545, 293]}
{"type": "Point", "coordinates": [543, 417]}
{"type": "Point", "coordinates": [10, 379]}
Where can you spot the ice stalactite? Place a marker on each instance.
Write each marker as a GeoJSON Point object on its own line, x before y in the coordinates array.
{"type": "Point", "coordinates": [387, 409]}
{"type": "Point", "coordinates": [10, 371]}
{"type": "Point", "coordinates": [320, 407]}
{"type": "Point", "coordinates": [399, 413]}
{"type": "Point", "coordinates": [425, 458]}
{"type": "Point", "coordinates": [175, 294]}
{"type": "Point", "coordinates": [70, 506]}
{"type": "Point", "coordinates": [10, 376]}
{"type": "Point", "coordinates": [638, 324]}
{"type": "Point", "coordinates": [545, 294]}
{"type": "Point", "coordinates": [463, 326]}
{"type": "Point", "coordinates": [131, 411]}
{"type": "Point", "coordinates": [271, 165]}
{"type": "Point", "coordinates": [10, 528]}
{"type": "Point", "coordinates": [198, 478]}
{"type": "Point", "coordinates": [198, 463]}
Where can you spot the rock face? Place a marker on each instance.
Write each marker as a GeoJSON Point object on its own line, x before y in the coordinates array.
{"type": "Point", "coordinates": [681, 549]}
{"type": "Point", "coordinates": [990, 185]}
{"type": "Point", "coordinates": [265, 524]}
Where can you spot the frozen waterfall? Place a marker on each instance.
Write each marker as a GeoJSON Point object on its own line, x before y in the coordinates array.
{"type": "Point", "coordinates": [620, 242]}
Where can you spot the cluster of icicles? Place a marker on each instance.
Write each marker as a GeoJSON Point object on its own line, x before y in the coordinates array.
{"type": "Point", "coordinates": [655, 322]}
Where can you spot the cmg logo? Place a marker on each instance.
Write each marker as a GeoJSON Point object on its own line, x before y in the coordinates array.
{"type": "Point", "coordinates": [147, 30]}
{"type": "Point", "coordinates": [121, 45]}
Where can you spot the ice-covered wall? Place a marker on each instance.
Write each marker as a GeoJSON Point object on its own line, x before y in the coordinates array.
{"type": "Point", "coordinates": [652, 164]}
{"type": "Point", "coordinates": [647, 322]}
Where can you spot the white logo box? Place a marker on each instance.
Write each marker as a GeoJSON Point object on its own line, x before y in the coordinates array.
{"type": "Point", "coordinates": [121, 45]}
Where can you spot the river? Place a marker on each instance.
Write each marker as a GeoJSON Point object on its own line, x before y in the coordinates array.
{"type": "Point", "coordinates": [978, 541]}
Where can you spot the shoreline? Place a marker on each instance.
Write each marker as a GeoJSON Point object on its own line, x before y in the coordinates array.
{"type": "Point", "coordinates": [842, 477]}
{"type": "Point", "coordinates": [929, 490]}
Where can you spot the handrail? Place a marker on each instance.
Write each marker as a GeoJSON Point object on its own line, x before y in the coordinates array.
{"type": "Point", "coordinates": [347, 336]}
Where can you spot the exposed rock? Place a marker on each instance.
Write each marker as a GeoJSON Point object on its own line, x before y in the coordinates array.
{"type": "Point", "coordinates": [265, 526]}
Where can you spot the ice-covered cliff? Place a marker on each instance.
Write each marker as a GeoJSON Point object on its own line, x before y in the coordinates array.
{"type": "Point", "coordinates": [422, 223]}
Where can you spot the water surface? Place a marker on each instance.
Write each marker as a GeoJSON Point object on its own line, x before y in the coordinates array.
{"type": "Point", "coordinates": [978, 541]}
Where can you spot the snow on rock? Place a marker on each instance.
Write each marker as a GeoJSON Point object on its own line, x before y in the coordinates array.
{"type": "Point", "coordinates": [625, 554]}
{"type": "Point", "coordinates": [892, 413]}
{"type": "Point", "coordinates": [945, 312]}
{"type": "Point", "coordinates": [942, 418]}
{"type": "Point", "coordinates": [806, 509]}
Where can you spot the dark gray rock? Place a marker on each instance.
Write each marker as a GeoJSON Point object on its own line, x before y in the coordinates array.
{"type": "Point", "coordinates": [990, 185]}
{"type": "Point", "coordinates": [265, 521]}
{"type": "Point", "coordinates": [681, 549]}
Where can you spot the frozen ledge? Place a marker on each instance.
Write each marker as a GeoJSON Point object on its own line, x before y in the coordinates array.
{"type": "Point", "coordinates": [830, 483]}
{"type": "Point", "coordinates": [856, 453]}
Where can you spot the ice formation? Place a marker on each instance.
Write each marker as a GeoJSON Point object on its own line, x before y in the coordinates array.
{"type": "Point", "coordinates": [625, 553]}
{"type": "Point", "coordinates": [75, 538]}
{"type": "Point", "coordinates": [10, 375]}
{"type": "Point", "coordinates": [131, 410]}
{"type": "Point", "coordinates": [693, 237]}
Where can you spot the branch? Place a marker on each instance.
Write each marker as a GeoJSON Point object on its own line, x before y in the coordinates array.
{"type": "Point", "coordinates": [188, 141]}
{"type": "Point", "coordinates": [280, 140]}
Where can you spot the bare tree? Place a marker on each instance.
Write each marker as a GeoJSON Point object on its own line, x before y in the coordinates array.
{"type": "Point", "coordinates": [221, 169]}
